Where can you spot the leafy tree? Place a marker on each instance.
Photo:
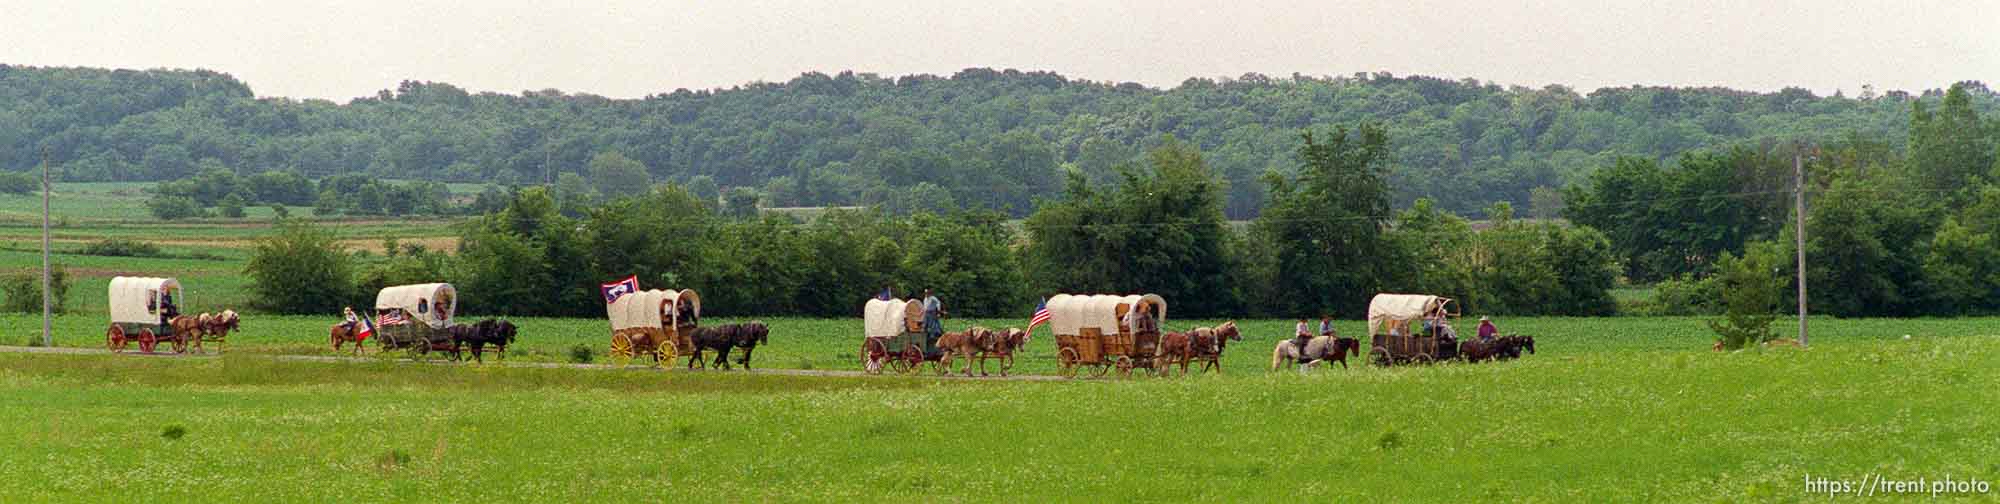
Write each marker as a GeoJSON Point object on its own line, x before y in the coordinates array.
{"type": "Point", "coordinates": [1324, 228]}
{"type": "Point", "coordinates": [704, 189]}
{"type": "Point", "coordinates": [740, 203]}
{"type": "Point", "coordinates": [231, 206]}
{"type": "Point", "coordinates": [615, 175]}
{"type": "Point", "coordinates": [1750, 293]}
{"type": "Point", "coordinates": [1952, 148]}
{"type": "Point", "coordinates": [1162, 231]}
{"type": "Point", "coordinates": [301, 268]}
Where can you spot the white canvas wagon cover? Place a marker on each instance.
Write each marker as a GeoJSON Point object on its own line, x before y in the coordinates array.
{"type": "Point", "coordinates": [1070, 314]}
{"type": "Point", "coordinates": [1401, 308]}
{"type": "Point", "coordinates": [888, 318]}
{"type": "Point", "coordinates": [651, 308]}
{"type": "Point", "coordinates": [136, 300]}
{"type": "Point", "coordinates": [432, 303]}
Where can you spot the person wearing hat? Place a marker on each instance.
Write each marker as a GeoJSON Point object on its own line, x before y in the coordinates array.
{"type": "Point", "coordinates": [1486, 329]}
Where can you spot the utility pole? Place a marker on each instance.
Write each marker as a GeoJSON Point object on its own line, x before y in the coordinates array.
{"type": "Point", "coordinates": [47, 340]}
{"type": "Point", "coordinates": [1799, 199]}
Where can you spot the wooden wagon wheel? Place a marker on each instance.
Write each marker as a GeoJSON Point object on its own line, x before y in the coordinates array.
{"type": "Point", "coordinates": [1066, 362]}
{"type": "Point", "coordinates": [1380, 356]}
{"type": "Point", "coordinates": [872, 355]}
{"type": "Point", "coordinates": [147, 341]}
{"type": "Point", "coordinates": [621, 345]}
{"type": "Point", "coordinates": [1422, 358]}
{"type": "Point", "coordinates": [114, 338]}
{"type": "Point", "coordinates": [1100, 369]}
{"type": "Point", "coordinates": [913, 358]}
{"type": "Point", "coordinates": [665, 352]}
{"type": "Point", "coordinates": [901, 361]}
{"type": "Point", "coordinates": [1124, 365]}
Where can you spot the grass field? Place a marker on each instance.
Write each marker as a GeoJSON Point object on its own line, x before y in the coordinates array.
{"type": "Point", "coordinates": [1672, 425]}
{"type": "Point", "coordinates": [1610, 409]}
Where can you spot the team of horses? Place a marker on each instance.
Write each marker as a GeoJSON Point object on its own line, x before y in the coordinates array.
{"type": "Point", "coordinates": [723, 338]}
{"type": "Point", "coordinates": [979, 343]}
{"type": "Point", "coordinates": [209, 327]}
{"type": "Point", "coordinates": [1203, 345]}
{"type": "Point", "coordinates": [1323, 349]}
{"type": "Point", "coordinates": [475, 336]}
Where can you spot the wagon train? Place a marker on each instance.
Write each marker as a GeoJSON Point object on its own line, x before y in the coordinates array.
{"type": "Point", "coordinates": [893, 336]}
{"type": "Point", "coordinates": [415, 317]}
{"type": "Point", "coordinates": [1410, 329]}
{"type": "Point", "coordinates": [144, 311]}
{"type": "Point", "coordinates": [1105, 332]}
{"type": "Point", "coordinates": [655, 322]}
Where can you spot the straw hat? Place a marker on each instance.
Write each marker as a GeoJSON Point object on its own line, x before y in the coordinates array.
{"type": "Point", "coordinates": [1484, 319]}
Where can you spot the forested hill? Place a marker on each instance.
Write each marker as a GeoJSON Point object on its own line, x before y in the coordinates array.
{"type": "Point", "coordinates": [980, 137]}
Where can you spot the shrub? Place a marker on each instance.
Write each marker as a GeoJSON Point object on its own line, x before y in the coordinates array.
{"type": "Point", "coordinates": [1750, 291]}
{"type": "Point", "coordinates": [173, 431]}
{"type": "Point", "coordinates": [174, 207]}
{"type": "Point", "coordinates": [18, 183]}
{"type": "Point", "coordinates": [581, 354]}
{"type": "Point", "coordinates": [1687, 296]}
{"type": "Point", "coordinates": [23, 289]}
{"type": "Point", "coordinates": [231, 206]}
{"type": "Point", "coordinates": [301, 268]}
{"type": "Point", "coordinates": [122, 247]}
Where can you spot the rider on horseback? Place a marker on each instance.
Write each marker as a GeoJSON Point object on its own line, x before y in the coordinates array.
{"type": "Point", "coordinates": [351, 319]}
{"type": "Point", "coordinates": [1300, 337]}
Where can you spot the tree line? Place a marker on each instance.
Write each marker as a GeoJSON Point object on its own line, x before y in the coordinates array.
{"type": "Point", "coordinates": [993, 139]}
{"type": "Point", "coordinates": [1889, 232]}
{"type": "Point", "coordinates": [1329, 244]}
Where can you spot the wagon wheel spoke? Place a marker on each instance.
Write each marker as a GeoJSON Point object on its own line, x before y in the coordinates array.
{"type": "Point", "coordinates": [665, 352]}
{"type": "Point", "coordinates": [115, 338]}
{"type": "Point", "coordinates": [1422, 358]}
{"type": "Point", "coordinates": [1100, 369]}
{"type": "Point", "coordinates": [1066, 362]}
{"type": "Point", "coordinates": [1380, 356]}
{"type": "Point", "coordinates": [146, 340]}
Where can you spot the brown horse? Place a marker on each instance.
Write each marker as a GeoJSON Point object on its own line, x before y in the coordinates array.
{"type": "Point", "coordinates": [1209, 344]}
{"type": "Point", "coordinates": [340, 334]}
{"type": "Point", "coordinates": [217, 327]}
{"type": "Point", "coordinates": [1502, 348]}
{"type": "Point", "coordinates": [188, 327]}
{"type": "Point", "coordinates": [972, 344]}
{"type": "Point", "coordinates": [1175, 348]}
{"type": "Point", "coordinates": [980, 344]}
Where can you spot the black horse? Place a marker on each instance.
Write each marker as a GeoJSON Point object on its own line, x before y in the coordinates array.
{"type": "Point", "coordinates": [498, 333]}
{"type": "Point", "coordinates": [724, 337]}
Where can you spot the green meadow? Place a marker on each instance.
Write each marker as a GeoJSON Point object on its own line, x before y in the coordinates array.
{"type": "Point", "coordinates": [1609, 409]}
{"type": "Point", "coordinates": [1569, 425]}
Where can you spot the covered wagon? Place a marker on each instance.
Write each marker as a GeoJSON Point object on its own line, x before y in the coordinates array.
{"type": "Point", "coordinates": [1106, 331]}
{"type": "Point", "coordinates": [1409, 328]}
{"type": "Point", "coordinates": [654, 322]}
{"type": "Point", "coordinates": [415, 317]}
{"type": "Point", "coordinates": [893, 335]}
{"type": "Point", "coordinates": [142, 311]}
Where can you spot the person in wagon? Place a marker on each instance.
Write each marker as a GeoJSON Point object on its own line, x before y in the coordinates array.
{"type": "Point", "coordinates": [167, 309]}
{"type": "Point", "coordinates": [933, 315]}
{"type": "Point", "coordinates": [1487, 330]}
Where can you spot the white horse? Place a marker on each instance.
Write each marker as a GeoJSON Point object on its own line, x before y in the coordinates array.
{"type": "Point", "coordinates": [1319, 349]}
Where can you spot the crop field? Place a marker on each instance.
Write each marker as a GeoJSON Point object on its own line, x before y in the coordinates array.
{"type": "Point", "coordinates": [1569, 425]}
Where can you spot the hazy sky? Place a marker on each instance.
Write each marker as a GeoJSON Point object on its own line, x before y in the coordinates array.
{"type": "Point", "coordinates": [344, 49]}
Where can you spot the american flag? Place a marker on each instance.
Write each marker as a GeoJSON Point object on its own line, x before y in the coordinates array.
{"type": "Point", "coordinates": [1041, 316]}
{"type": "Point", "coordinates": [389, 318]}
